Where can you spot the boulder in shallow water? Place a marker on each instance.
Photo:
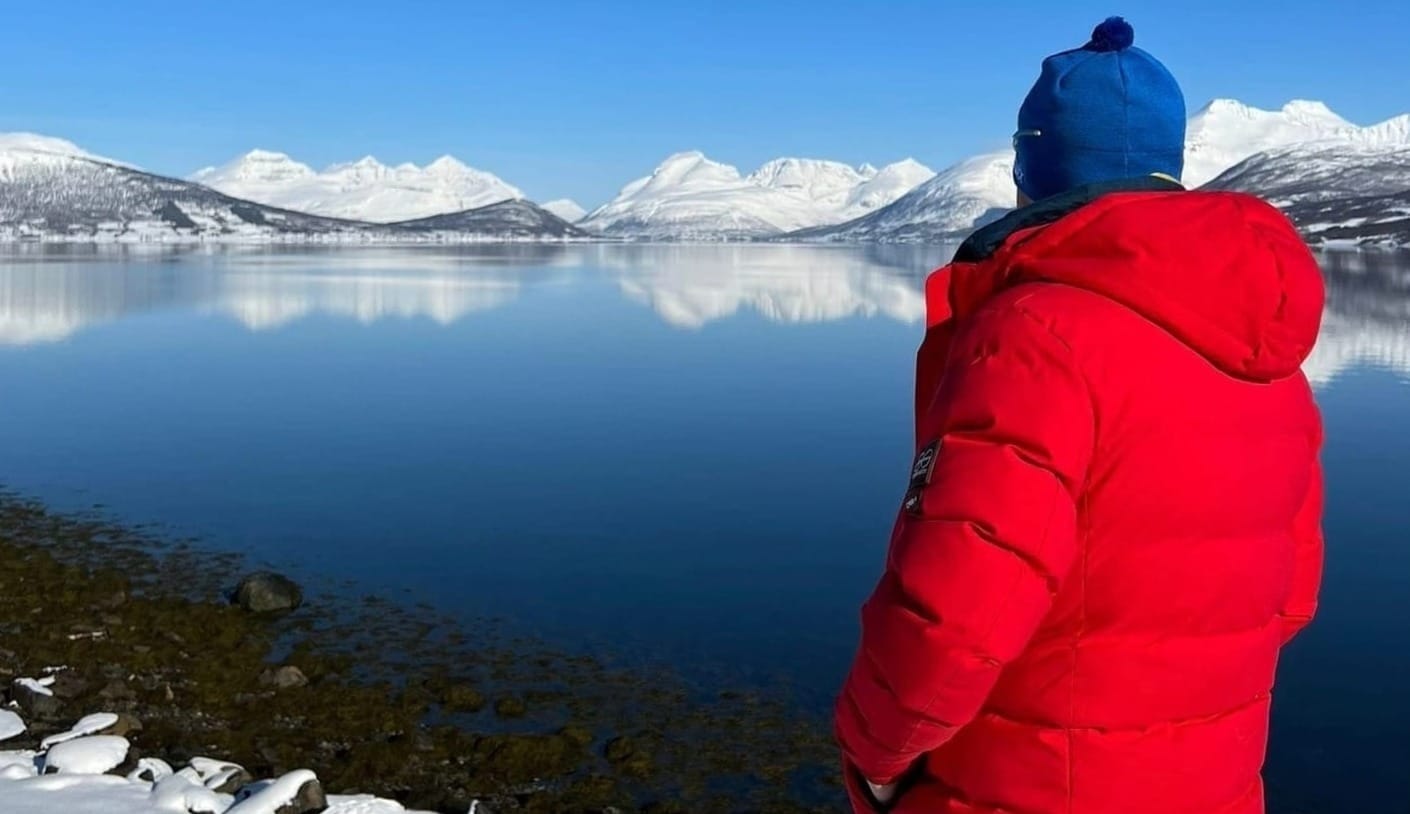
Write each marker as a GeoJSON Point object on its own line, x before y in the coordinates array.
{"type": "Point", "coordinates": [283, 678]}
{"type": "Point", "coordinates": [267, 592]}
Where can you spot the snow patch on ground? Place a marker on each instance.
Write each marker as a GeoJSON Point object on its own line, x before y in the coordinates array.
{"type": "Point", "coordinates": [68, 776]}
{"type": "Point", "coordinates": [36, 685]}
{"type": "Point", "coordinates": [11, 725]}
{"type": "Point", "coordinates": [87, 725]}
{"type": "Point", "coordinates": [94, 754]}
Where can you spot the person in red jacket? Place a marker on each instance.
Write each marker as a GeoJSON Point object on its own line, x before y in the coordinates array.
{"type": "Point", "coordinates": [1112, 523]}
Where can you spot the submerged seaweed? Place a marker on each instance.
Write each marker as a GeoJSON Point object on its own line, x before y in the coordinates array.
{"type": "Point", "coordinates": [396, 700]}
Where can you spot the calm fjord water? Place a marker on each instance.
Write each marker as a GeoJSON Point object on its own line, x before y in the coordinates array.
{"type": "Point", "coordinates": [692, 452]}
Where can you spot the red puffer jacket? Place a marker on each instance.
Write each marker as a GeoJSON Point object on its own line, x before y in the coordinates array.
{"type": "Point", "coordinates": [1113, 520]}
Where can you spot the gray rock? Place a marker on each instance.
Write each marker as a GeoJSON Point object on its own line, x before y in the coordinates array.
{"type": "Point", "coordinates": [309, 800]}
{"type": "Point", "coordinates": [43, 706]}
{"type": "Point", "coordinates": [234, 780]}
{"type": "Point", "coordinates": [125, 725]}
{"type": "Point", "coordinates": [283, 678]}
{"type": "Point", "coordinates": [266, 592]}
{"type": "Point", "coordinates": [117, 690]}
{"type": "Point", "coordinates": [68, 685]}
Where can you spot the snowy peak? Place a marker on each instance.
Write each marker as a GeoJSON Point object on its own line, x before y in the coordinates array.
{"type": "Point", "coordinates": [35, 143]}
{"type": "Point", "coordinates": [1314, 113]}
{"type": "Point", "coordinates": [807, 177]}
{"type": "Point", "coordinates": [255, 167]}
{"type": "Point", "coordinates": [567, 209]}
{"type": "Point", "coordinates": [1389, 133]}
{"type": "Point", "coordinates": [884, 186]}
{"type": "Point", "coordinates": [17, 149]}
{"type": "Point", "coordinates": [1225, 132]}
{"type": "Point", "coordinates": [690, 169]}
{"type": "Point", "coordinates": [689, 196]}
{"type": "Point", "coordinates": [365, 189]}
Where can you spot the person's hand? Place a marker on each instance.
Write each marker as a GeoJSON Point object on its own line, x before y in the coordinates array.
{"type": "Point", "coordinates": [882, 794]}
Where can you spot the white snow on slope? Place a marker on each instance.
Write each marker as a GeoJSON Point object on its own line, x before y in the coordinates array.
{"type": "Point", "coordinates": [567, 209]}
{"type": "Point", "coordinates": [35, 143]}
{"type": "Point", "coordinates": [20, 152]}
{"type": "Point", "coordinates": [957, 200]}
{"type": "Point", "coordinates": [688, 196]}
{"type": "Point", "coordinates": [1225, 132]}
{"type": "Point", "coordinates": [365, 189]}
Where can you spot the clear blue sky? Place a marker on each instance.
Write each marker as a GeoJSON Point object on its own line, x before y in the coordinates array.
{"type": "Point", "coordinates": [577, 98]}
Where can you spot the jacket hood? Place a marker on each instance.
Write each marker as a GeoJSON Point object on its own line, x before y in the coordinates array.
{"type": "Point", "coordinates": [1223, 272]}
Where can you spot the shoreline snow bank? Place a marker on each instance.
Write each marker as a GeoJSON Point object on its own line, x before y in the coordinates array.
{"type": "Point", "coordinates": [70, 774]}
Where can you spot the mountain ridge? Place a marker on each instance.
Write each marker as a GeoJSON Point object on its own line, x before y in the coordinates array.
{"type": "Point", "coordinates": [365, 189]}
{"type": "Point", "coordinates": [51, 192]}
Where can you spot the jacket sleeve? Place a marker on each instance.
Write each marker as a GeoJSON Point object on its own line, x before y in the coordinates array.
{"type": "Point", "coordinates": [1301, 605]}
{"type": "Point", "coordinates": [982, 544]}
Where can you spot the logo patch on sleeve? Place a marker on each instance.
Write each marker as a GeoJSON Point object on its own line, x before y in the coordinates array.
{"type": "Point", "coordinates": [924, 465]}
{"type": "Point", "coordinates": [921, 472]}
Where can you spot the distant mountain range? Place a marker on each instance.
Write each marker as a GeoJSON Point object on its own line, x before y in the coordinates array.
{"type": "Point", "coordinates": [364, 190]}
{"type": "Point", "coordinates": [50, 189]}
{"type": "Point", "coordinates": [1341, 183]}
{"type": "Point", "coordinates": [688, 196]}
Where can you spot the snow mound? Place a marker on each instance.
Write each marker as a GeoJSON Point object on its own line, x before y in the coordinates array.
{"type": "Point", "coordinates": [11, 725]}
{"type": "Point", "coordinates": [94, 754]}
{"type": "Point", "coordinates": [87, 725]}
{"type": "Point", "coordinates": [36, 685]}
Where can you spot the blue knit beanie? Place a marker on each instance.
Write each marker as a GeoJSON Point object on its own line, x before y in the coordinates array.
{"type": "Point", "coordinates": [1103, 112]}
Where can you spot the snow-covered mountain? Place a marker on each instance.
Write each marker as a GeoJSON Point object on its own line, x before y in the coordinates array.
{"type": "Point", "coordinates": [25, 148]}
{"type": "Point", "coordinates": [365, 189]}
{"type": "Point", "coordinates": [955, 202]}
{"type": "Point", "coordinates": [1220, 135]}
{"type": "Point", "coordinates": [566, 208]}
{"type": "Point", "coordinates": [52, 190]}
{"type": "Point", "coordinates": [1336, 192]}
{"type": "Point", "coordinates": [690, 197]}
{"type": "Point", "coordinates": [1225, 132]}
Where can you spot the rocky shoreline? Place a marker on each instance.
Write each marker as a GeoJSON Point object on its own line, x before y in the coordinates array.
{"type": "Point", "coordinates": [373, 697]}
